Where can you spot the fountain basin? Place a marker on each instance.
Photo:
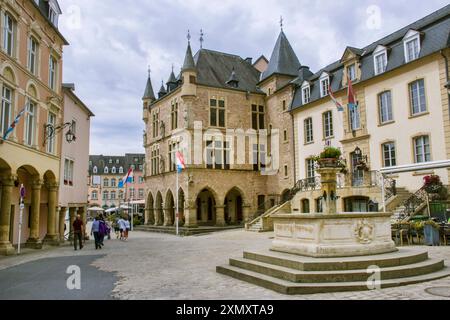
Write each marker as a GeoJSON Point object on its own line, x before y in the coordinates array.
{"type": "Point", "coordinates": [333, 235]}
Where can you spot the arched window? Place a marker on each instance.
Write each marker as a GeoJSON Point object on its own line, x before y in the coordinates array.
{"type": "Point", "coordinates": [113, 170]}
{"type": "Point", "coordinates": [95, 170]}
{"type": "Point", "coordinates": [106, 182]}
{"type": "Point", "coordinates": [106, 170]}
{"type": "Point", "coordinates": [121, 170]}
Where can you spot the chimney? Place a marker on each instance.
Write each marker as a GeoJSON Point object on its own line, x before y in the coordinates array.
{"type": "Point", "coordinates": [249, 60]}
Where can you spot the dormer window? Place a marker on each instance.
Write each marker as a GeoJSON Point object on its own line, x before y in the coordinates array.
{"type": "Point", "coordinates": [121, 170]}
{"type": "Point", "coordinates": [324, 84]}
{"type": "Point", "coordinates": [411, 43]}
{"type": "Point", "coordinates": [94, 170]}
{"type": "Point", "coordinates": [380, 59]}
{"type": "Point", "coordinates": [351, 72]}
{"type": "Point", "coordinates": [306, 93]}
{"type": "Point", "coordinates": [113, 170]}
{"type": "Point", "coordinates": [106, 170]}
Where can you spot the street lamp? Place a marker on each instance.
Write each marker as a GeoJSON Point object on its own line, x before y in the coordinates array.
{"type": "Point", "coordinates": [358, 153]}
{"type": "Point", "coordinates": [51, 132]}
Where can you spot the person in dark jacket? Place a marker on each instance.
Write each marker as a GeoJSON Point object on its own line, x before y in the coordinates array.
{"type": "Point", "coordinates": [78, 229]}
{"type": "Point", "coordinates": [94, 231]}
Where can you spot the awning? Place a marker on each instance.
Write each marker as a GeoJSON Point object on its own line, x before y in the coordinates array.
{"type": "Point", "coordinates": [441, 164]}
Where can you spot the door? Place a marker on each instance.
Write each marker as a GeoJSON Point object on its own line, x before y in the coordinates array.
{"type": "Point", "coordinates": [357, 173]}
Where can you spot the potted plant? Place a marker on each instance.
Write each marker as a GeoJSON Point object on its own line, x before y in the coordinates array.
{"type": "Point", "coordinates": [432, 184]}
{"type": "Point", "coordinates": [330, 157]}
{"type": "Point", "coordinates": [431, 233]}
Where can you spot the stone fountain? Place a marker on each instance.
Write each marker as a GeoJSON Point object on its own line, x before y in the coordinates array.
{"type": "Point", "coordinates": [331, 252]}
{"type": "Point", "coordinates": [332, 234]}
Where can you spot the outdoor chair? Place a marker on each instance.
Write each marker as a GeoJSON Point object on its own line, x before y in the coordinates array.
{"type": "Point", "coordinates": [404, 232]}
{"type": "Point", "coordinates": [444, 232]}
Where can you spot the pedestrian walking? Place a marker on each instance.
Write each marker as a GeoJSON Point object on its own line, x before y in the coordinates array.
{"type": "Point", "coordinates": [122, 228]}
{"type": "Point", "coordinates": [102, 230]}
{"type": "Point", "coordinates": [78, 230]}
{"type": "Point", "coordinates": [95, 233]}
{"type": "Point", "coordinates": [127, 228]}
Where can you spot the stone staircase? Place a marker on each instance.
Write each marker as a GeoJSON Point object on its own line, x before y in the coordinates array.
{"type": "Point", "coordinates": [264, 222]}
{"type": "Point", "coordinates": [183, 231]}
{"type": "Point", "coordinates": [294, 274]}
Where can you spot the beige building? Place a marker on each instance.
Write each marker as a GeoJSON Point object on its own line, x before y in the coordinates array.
{"type": "Point", "coordinates": [105, 173]}
{"type": "Point", "coordinates": [30, 78]}
{"type": "Point", "coordinates": [74, 171]}
{"type": "Point", "coordinates": [230, 119]}
{"type": "Point", "coordinates": [402, 116]}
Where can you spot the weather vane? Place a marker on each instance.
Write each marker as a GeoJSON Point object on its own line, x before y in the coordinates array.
{"type": "Point", "coordinates": [201, 38]}
{"type": "Point", "coordinates": [149, 71]}
{"type": "Point", "coordinates": [189, 36]}
{"type": "Point", "coordinates": [281, 22]}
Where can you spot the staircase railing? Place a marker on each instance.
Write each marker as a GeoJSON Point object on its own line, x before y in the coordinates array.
{"type": "Point", "coordinates": [413, 203]}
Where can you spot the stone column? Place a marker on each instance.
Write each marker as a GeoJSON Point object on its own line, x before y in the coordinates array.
{"type": "Point", "coordinates": [168, 220]}
{"type": "Point", "coordinates": [329, 187]}
{"type": "Point", "coordinates": [6, 247]}
{"type": "Point", "coordinates": [62, 222]}
{"type": "Point", "coordinates": [220, 216]}
{"type": "Point", "coordinates": [149, 216]}
{"type": "Point", "coordinates": [246, 213]}
{"type": "Point", "coordinates": [51, 237]}
{"type": "Point", "coordinates": [190, 214]}
{"type": "Point", "coordinates": [72, 215]}
{"type": "Point", "coordinates": [34, 240]}
{"type": "Point", "coordinates": [82, 212]}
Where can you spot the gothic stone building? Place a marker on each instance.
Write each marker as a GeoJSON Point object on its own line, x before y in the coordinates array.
{"type": "Point", "coordinates": [229, 178]}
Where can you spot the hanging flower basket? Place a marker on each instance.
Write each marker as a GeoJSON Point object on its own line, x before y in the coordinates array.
{"type": "Point", "coordinates": [432, 184]}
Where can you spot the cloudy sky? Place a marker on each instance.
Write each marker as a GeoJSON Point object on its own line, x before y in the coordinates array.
{"type": "Point", "coordinates": [113, 41]}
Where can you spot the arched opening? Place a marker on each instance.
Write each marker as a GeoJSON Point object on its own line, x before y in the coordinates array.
{"type": "Point", "coordinates": [356, 204]}
{"type": "Point", "coordinates": [169, 210]}
{"type": "Point", "coordinates": [206, 208]}
{"type": "Point", "coordinates": [285, 195]}
{"type": "Point", "coordinates": [181, 200]}
{"type": "Point", "coordinates": [234, 207]}
{"type": "Point", "coordinates": [319, 205]}
{"type": "Point", "coordinates": [7, 209]}
{"type": "Point", "coordinates": [305, 206]}
{"type": "Point", "coordinates": [149, 218]}
{"type": "Point", "coordinates": [159, 214]}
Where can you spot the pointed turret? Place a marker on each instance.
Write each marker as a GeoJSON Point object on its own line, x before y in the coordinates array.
{"type": "Point", "coordinates": [162, 91]}
{"type": "Point", "coordinates": [189, 73]}
{"type": "Point", "coordinates": [283, 61]}
{"type": "Point", "coordinates": [149, 94]}
{"type": "Point", "coordinates": [233, 81]}
{"type": "Point", "coordinates": [172, 82]}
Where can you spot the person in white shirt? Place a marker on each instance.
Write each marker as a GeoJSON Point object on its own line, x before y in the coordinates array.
{"type": "Point", "coordinates": [122, 228]}
{"type": "Point", "coordinates": [127, 228]}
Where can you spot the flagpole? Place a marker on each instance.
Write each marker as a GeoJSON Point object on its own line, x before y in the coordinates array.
{"type": "Point", "coordinates": [177, 213]}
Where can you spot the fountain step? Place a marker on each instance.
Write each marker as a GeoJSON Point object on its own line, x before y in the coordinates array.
{"type": "Point", "coordinates": [403, 256]}
{"type": "Point", "coordinates": [292, 275]}
{"type": "Point", "coordinates": [287, 287]}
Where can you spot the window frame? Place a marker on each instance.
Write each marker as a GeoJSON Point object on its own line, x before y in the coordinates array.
{"type": "Point", "coordinates": [9, 34]}
{"type": "Point", "coordinates": [391, 151]}
{"type": "Point", "coordinates": [330, 124]}
{"type": "Point", "coordinates": [324, 78]}
{"type": "Point", "coordinates": [388, 108]}
{"type": "Point", "coordinates": [52, 72]}
{"type": "Point", "coordinates": [410, 37]}
{"type": "Point", "coordinates": [217, 110]}
{"type": "Point", "coordinates": [29, 139]}
{"type": "Point", "coordinates": [6, 119]}
{"type": "Point", "coordinates": [308, 129]}
{"type": "Point", "coordinates": [380, 52]}
{"type": "Point", "coordinates": [411, 98]}
{"type": "Point", "coordinates": [33, 56]}
{"type": "Point", "coordinates": [306, 93]}
{"type": "Point", "coordinates": [51, 141]}
{"type": "Point", "coordinates": [423, 147]}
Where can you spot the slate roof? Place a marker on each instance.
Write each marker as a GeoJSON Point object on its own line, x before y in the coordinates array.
{"type": "Point", "coordinates": [189, 63]}
{"type": "Point", "coordinates": [101, 161]}
{"type": "Point", "coordinates": [149, 93]}
{"type": "Point", "coordinates": [283, 60]}
{"type": "Point", "coordinates": [436, 36]}
{"type": "Point", "coordinates": [214, 69]}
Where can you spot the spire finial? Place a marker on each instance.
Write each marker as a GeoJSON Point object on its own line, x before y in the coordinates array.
{"type": "Point", "coordinates": [281, 23]}
{"type": "Point", "coordinates": [201, 38]}
{"type": "Point", "coordinates": [189, 36]}
{"type": "Point", "coordinates": [172, 67]}
{"type": "Point", "coordinates": [149, 71]}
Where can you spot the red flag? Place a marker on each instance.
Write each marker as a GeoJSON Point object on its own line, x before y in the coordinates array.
{"type": "Point", "coordinates": [351, 93]}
